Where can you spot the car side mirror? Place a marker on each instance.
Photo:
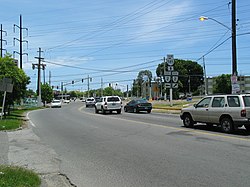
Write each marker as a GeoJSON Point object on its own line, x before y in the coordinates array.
{"type": "Point", "coordinates": [195, 105]}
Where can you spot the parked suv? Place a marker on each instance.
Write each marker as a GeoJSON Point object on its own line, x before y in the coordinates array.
{"type": "Point", "coordinates": [109, 103]}
{"type": "Point", "coordinates": [227, 111]}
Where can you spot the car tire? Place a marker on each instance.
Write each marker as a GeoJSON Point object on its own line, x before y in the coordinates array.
{"type": "Point", "coordinates": [119, 111]}
{"type": "Point", "coordinates": [247, 127]}
{"type": "Point", "coordinates": [226, 125]}
{"type": "Point", "coordinates": [188, 121]}
{"type": "Point", "coordinates": [136, 110]}
{"type": "Point", "coordinates": [125, 109]}
{"type": "Point", "coordinates": [103, 111]}
{"type": "Point", "coordinates": [148, 111]}
{"type": "Point", "coordinates": [96, 111]}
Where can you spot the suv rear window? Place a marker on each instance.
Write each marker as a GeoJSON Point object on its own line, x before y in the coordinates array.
{"type": "Point", "coordinates": [246, 101]}
{"type": "Point", "coordinates": [113, 99]}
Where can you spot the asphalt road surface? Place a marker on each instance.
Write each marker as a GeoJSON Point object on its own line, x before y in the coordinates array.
{"type": "Point", "coordinates": [141, 150]}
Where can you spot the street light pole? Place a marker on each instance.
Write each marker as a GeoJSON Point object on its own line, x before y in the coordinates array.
{"type": "Point", "coordinates": [234, 55]}
{"type": "Point", "coordinates": [233, 35]}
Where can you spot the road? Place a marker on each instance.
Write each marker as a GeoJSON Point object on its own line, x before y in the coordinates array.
{"type": "Point", "coordinates": [141, 149]}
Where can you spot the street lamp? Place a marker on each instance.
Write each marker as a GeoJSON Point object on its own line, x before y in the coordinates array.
{"type": "Point", "coordinates": [233, 32]}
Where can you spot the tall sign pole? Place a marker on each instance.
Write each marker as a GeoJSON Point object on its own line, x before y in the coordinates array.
{"type": "Point", "coordinates": [170, 76]}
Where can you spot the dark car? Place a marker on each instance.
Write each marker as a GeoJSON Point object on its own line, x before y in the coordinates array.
{"type": "Point", "coordinates": [138, 105]}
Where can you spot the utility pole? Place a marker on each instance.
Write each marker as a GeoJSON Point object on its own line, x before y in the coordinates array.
{"type": "Point", "coordinates": [39, 76]}
{"type": "Point", "coordinates": [50, 78]}
{"type": "Point", "coordinates": [101, 87]}
{"type": "Point", "coordinates": [234, 55]}
{"type": "Point", "coordinates": [1, 40]}
{"type": "Point", "coordinates": [205, 76]}
{"type": "Point", "coordinates": [20, 41]}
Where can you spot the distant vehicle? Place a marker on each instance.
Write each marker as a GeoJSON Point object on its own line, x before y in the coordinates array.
{"type": "Point", "coordinates": [56, 103]}
{"type": "Point", "coordinates": [108, 104]}
{"type": "Point", "coordinates": [83, 99]}
{"type": "Point", "coordinates": [138, 105]}
{"type": "Point", "coordinates": [67, 101]}
{"type": "Point", "coordinates": [90, 102]}
{"type": "Point", "coordinates": [227, 111]}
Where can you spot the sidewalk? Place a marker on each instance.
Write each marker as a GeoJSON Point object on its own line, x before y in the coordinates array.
{"type": "Point", "coordinates": [23, 148]}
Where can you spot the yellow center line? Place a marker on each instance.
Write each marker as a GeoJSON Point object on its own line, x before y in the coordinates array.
{"type": "Point", "coordinates": [173, 128]}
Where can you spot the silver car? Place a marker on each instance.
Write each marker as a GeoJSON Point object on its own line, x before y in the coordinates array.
{"type": "Point", "coordinates": [227, 111]}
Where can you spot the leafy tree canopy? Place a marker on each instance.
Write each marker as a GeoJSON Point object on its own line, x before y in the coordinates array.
{"type": "Point", "coordinates": [188, 71]}
{"type": "Point", "coordinates": [20, 80]}
{"type": "Point", "coordinates": [223, 84]}
{"type": "Point", "coordinates": [46, 93]}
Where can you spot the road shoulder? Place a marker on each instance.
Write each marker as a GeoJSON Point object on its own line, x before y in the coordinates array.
{"type": "Point", "coordinates": [28, 151]}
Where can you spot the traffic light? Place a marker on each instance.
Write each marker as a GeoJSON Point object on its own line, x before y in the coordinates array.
{"type": "Point", "coordinates": [73, 82]}
{"type": "Point", "coordinates": [109, 84]}
{"type": "Point", "coordinates": [82, 80]}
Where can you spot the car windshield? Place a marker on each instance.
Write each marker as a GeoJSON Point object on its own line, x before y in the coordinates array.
{"type": "Point", "coordinates": [90, 99]}
{"type": "Point", "coordinates": [246, 101]}
{"type": "Point", "coordinates": [110, 99]}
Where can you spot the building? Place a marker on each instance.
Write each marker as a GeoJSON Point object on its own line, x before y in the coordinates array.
{"type": "Point", "coordinates": [243, 81]}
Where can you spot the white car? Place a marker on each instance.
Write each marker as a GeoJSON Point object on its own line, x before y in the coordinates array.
{"type": "Point", "coordinates": [90, 102]}
{"type": "Point", "coordinates": [109, 104]}
{"type": "Point", "coordinates": [56, 103]}
{"type": "Point", "coordinates": [66, 101]}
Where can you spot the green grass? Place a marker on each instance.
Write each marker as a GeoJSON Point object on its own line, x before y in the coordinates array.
{"type": "Point", "coordinates": [15, 119]}
{"type": "Point", "coordinates": [12, 176]}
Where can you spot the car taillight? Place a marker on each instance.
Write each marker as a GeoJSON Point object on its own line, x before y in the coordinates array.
{"type": "Point", "coordinates": [243, 113]}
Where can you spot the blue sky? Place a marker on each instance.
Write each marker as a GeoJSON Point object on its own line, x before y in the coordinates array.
{"type": "Point", "coordinates": [114, 40]}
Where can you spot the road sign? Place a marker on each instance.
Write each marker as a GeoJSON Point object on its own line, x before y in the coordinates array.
{"type": "Point", "coordinates": [167, 73]}
{"type": "Point", "coordinates": [170, 60]}
{"type": "Point", "coordinates": [175, 78]}
{"type": "Point", "coordinates": [167, 78]}
{"type": "Point", "coordinates": [174, 85]}
{"type": "Point", "coordinates": [170, 68]}
{"type": "Point", "coordinates": [168, 85]}
{"type": "Point", "coordinates": [175, 73]}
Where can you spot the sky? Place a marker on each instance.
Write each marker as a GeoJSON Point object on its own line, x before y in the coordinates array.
{"type": "Point", "coordinates": [111, 41]}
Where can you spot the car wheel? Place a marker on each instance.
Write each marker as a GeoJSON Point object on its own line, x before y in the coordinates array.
{"type": "Point", "coordinates": [103, 111]}
{"type": "Point", "coordinates": [119, 111]}
{"type": "Point", "coordinates": [247, 127]}
{"type": "Point", "coordinates": [96, 111]}
{"type": "Point", "coordinates": [148, 111]}
{"type": "Point", "coordinates": [188, 121]}
{"type": "Point", "coordinates": [125, 109]}
{"type": "Point", "coordinates": [226, 125]}
{"type": "Point", "coordinates": [135, 110]}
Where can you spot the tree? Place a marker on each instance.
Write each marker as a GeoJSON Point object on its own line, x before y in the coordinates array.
{"type": "Point", "coordinates": [223, 84]}
{"type": "Point", "coordinates": [46, 93]}
{"type": "Point", "coordinates": [190, 74]}
{"type": "Point", "coordinates": [8, 69]}
{"type": "Point", "coordinates": [144, 75]}
{"type": "Point", "coordinates": [73, 94]}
